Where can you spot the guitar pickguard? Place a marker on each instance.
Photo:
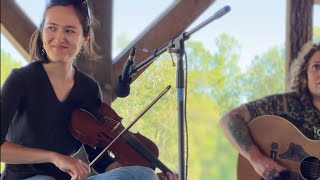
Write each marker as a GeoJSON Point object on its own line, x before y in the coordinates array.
{"type": "Point", "coordinates": [295, 152]}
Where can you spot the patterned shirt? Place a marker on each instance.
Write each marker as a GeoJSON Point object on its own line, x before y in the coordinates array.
{"type": "Point", "coordinates": [290, 107]}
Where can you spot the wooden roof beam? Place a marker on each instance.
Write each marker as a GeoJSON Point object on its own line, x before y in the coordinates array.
{"type": "Point", "coordinates": [16, 27]}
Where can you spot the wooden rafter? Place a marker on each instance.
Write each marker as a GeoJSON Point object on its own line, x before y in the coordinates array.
{"type": "Point", "coordinates": [16, 27]}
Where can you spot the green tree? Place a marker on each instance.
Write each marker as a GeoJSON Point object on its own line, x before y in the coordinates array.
{"type": "Point", "coordinates": [159, 123]}
{"type": "Point", "coordinates": [213, 90]}
{"type": "Point", "coordinates": [265, 75]}
{"type": "Point", "coordinates": [7, 64]}
{"type": "Point", "coordinates": [217, 75]}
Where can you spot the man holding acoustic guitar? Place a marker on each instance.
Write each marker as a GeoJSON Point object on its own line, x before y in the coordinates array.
{"type": "Point", "coordinates": [278, 136]}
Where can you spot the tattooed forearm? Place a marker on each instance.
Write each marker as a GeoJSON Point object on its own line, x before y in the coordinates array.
{"type": "Point", "coordinates": [240, 132]}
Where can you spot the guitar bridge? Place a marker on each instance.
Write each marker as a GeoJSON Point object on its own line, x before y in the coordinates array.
{"type": "Point", "coordinates": [274, 150]}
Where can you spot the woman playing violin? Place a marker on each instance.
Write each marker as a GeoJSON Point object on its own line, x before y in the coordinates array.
{"type": "Point", "coordinates": [37, 101]}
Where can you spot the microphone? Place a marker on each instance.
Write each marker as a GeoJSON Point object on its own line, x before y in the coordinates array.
{"type": "Point", "coordinates": [122, 89]}
{"type": "Point", "coordinates": [217, 15]}
{"type": "Point", "coordinates": [222, 12]}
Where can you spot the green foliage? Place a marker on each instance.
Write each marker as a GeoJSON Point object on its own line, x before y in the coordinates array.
{"type": "Point", "coordinates": [122, 41]}
{"type": "Point", "coordinates": [215, 85]}
{"type": "Point", "coordinates": [159, 123]}
{"type": "Point", "coordinates": [266, 75]}
{"type": "Point", "coordinates": [7, 64]}
{"type": "Point", "coordinates": [215, 75]}
{"type": "Point", "coordinates": [212, 90]}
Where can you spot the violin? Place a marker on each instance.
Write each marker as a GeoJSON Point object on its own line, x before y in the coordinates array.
{"type": "Point", "coordinates": [101, 128]}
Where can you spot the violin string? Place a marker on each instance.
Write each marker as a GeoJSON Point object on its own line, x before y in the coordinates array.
{"type": "Point", "coordinates": [139, 145]}
{"type": "Point", "coordinates": [110, 121]}
{"type": "Point", "coordinates": [143, 150]}
{"type": "Point", "coordinates": [136, 141]}
{"type": "Point", "coordinates": [110, 124]}
{"type": "Point", "coordinates": [130, 138]}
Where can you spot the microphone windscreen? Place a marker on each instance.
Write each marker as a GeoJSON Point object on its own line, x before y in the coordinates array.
{"type": "Point", "coordinates": [122, 88]}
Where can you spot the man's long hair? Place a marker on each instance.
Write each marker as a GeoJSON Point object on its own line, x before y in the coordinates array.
{"type": "Point", "coordinates": [299, 72]}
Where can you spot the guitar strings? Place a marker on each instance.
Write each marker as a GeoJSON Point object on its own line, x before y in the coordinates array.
{"type": "Point", "coordinates": [306, 169]}
{"type": "Point", "coordinates": [307, 172]}
{"type": "Point", "coordinates": [305, 163]}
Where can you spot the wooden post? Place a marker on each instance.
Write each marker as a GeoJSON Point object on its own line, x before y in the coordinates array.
{"type": "Point", "coordinates": [101, 69]}
{"type": "Point", "coordinates": [299, 29]}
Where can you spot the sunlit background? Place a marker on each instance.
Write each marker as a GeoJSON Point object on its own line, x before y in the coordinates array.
{"type": "Point", "coordinates": [237, 58]}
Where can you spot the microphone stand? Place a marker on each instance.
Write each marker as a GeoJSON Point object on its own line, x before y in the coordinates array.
{"type": "Point", "coordinates": [177, 46]}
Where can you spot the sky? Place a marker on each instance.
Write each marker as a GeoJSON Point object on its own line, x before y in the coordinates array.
{"type": "Point", "coordinates": [257, 25]}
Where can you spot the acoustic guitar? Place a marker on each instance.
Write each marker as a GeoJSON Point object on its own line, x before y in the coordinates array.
{"type": "Point", "coordinates": [283, 142]}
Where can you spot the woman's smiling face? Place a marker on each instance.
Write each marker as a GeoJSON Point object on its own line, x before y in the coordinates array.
{"type": "Point", "coordinates": [62, 34]}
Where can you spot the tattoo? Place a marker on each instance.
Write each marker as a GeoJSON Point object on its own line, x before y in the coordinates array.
{"type": "Point", "coordinates": [240, 132]}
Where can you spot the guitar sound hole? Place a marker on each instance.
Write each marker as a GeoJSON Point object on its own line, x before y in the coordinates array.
{"type": "Point", "coordinates": [310, 168]}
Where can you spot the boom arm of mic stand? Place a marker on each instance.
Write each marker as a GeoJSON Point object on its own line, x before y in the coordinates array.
{"type": "Point", "coordinates": [155, 54]}
{"type": "Point", "coordinates": [184, 36]}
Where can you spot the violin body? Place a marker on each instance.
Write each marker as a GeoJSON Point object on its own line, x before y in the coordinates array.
{"type": "Point", "coordinates": [100, 128]}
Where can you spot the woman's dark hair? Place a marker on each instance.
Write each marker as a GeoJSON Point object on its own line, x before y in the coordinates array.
{"type": "Point", "coordinates": [37, 52]}
{"type": "Point", "coordinates": [300, 83]}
